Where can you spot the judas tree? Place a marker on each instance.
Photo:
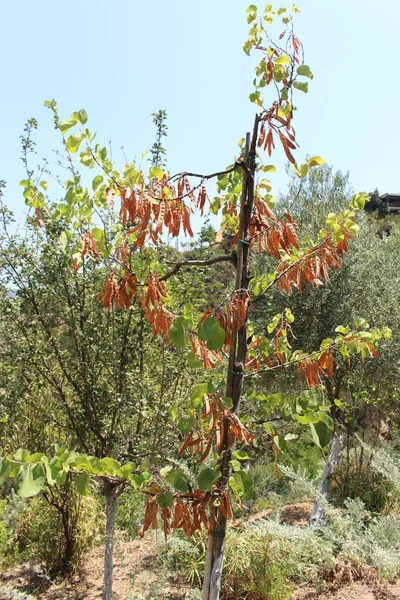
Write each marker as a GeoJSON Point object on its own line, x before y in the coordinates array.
{"type": "Point", "coordinates": [220, 343]}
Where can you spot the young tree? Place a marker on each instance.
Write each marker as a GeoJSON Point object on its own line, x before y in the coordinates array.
{"type": "Point", "coordinates": [221, 339]}
{"type": "Point", "coordinates": [92, 379]}
{"type": "Point", "coordinates": [358, 287]}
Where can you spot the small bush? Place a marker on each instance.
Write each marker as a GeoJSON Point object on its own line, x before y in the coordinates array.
{"type": "Point", "coordinates": [309, 555]}
{"type": "Point", "coordinates": [14, 508]}
{"type": "Point", "coordinates": [7, 593]}
{"type": "Point", "coordinates": [5, 536]}
{"type": "Point", "coordinates": [264, 480]}
{"type": "Point", "coordinates": [39, 533]}
{"type": "Point", "coordinates": [300, 485]}
{"type": "Point", "coordinates": [303, 456]}
{"type": "Point", "coordinates": [371, 474]}
{"type": "Point", "coordinates": [256, 567]}
{"type": "Point", "coordinates": [193, 595]}
{"type": "Point", "coordinates": [130, 513]}
{"type": "Point", "coordinates": [297, 481]}
{"type": "Point", "coordinates": [91, 526]}
{"type": "Point", "coordinates": [185, 558]}
{"type": "Point", "coordinates": [351, 536]}
{"type": "Point", "coordinates": [375, 491]}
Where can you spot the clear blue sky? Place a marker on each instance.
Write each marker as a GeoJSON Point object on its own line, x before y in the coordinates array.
{"type": "Point", "coordinates": [125, 59]}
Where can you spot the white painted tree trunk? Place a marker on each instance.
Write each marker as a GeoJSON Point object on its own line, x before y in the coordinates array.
{"type": "Point", "coordinates": [111, 509]}
{"type": "Point", "coordinates": [208, 566]}
{"type": "Point", "coordinates": [330, 467]}
{"type": "Point", "coordinates": [214, 565]}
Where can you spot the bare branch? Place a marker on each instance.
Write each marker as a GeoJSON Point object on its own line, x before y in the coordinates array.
{"type": "Point", "coordinates": [198, 263]}
{"type": "Point", "coordinates": [237, 164]}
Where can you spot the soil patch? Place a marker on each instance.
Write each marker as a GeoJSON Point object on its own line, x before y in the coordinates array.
{"type": "Point", "coordinates": [356, 591]}
{"type": "Point", "coordinates": [135, 570]}
{"type": "Point", "coordinates": [138, 569]}
{"type": "Point", "coordinates": [290, 514]}
{"type": "Point", "coordinates": [297, 514]}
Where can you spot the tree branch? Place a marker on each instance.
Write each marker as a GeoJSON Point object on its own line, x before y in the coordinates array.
{"type": "Point", "coordinates": [237, 164]}
{"type": "Point", "coordinates": [290, 267]}
{"type": "Point", "coordinates": [291, 362]}
{"type": "Point", "coordinates": [199, 263]}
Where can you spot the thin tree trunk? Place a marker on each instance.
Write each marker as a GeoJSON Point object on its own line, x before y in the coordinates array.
{"type": "Point", "coordinates": [65, 552]}
{"type": "Point", "coordinates": [208, 566]}
{"type": "Point", "coordinates": [248, 504]}
{"type": "Point", "coordinates": [237, 358]}
{"type": "Point", "coordinates": [66, 560]}
{"type": "Point", "coordinates": [111, 508]}
{"type": "Point", "coordinates": [330, 467]}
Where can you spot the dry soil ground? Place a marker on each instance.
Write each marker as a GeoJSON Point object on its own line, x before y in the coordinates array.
{"type": "Point", "coordinates": [137, 570]}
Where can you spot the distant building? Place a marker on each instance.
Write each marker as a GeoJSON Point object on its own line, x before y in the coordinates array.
{"type": "Point", "coordinates": [393, 203]}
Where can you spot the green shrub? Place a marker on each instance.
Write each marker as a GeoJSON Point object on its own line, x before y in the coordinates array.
{"type": "Point", "coordinates": [299, 466]}
{"type": "Point", "coordinates": [309, 555]}
{"type": "Point", "coordinates": [265, 559]}
{"type": "Point", "coordinates": [351, 535]}
{"type": "Point", "coordinates": [257, 567]}
{"type": "Point", "coordinates": [193, 595]}
{"type": "Point", "coordinates": [13, 510]}
{"type": "Point", "coordinates": [185, 558]}
{"type": "Point", "coordinates": [375, 491]}
{"type": "Point", "coordinates": [190, 595]}
{"type": "Point", "coordinates": [39, 533]}
{"type": "Point", "coordinates": [5, 536]}
{"type": "Point", "coordinates": [358, 535]}
{"type": "Point", "coordinates": [299, 484]}
{"type": "Point", "coordinates": [366, 479]}
{"type": "Point", "coordinates": [303, 456]}
{"type": "Point", "coordinates": [264, 479]}
{"type": "Point", "coordinates": [130, 513]}
{"type": "Point", "coordinates": [91, 525]}
{"type": "Point", "coordinates": [7, 593]}
{"type": "Point", "coordinates": [294, 485]}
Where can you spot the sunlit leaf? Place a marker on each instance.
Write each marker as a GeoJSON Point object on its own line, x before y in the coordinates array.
{"type": "Point", "coordinates": [31, 481]}
{"type": "Point", "coordinates": [315, 161]}
{"type": "Point", "coordinates": [185, 424]}
{"type": "Point", "coordinates": [283, 60]}
{"type": "Point", "coordinates": [193, 362]}
{"type": "Point", "coordinates": [4, 470]}
{"type": "Point", "coordinates": [321, 434]}
{"type": "Point", "coordinates": [198, 393]}
{"type": "Point", "coordinates": [156, 173]}
{"type": "Point", "coordinates": [82, 116]}
{"type": "Point", "coordinates": [178, 481]}
{"type": "Point", "coordinates": [301, 85]}
{"type": "Point", "coordinates": [73, 142]}
{"type": "Point", "coordinates": [304, 70]}
{"type": "Point", "coordinates": [65, 125]}
{"type": "Point", "coordinates": [97, 181]}
{"type": "Point", "coordinates": [240, 455]}
{"type": "Point", "coordinates": [251, 13]}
